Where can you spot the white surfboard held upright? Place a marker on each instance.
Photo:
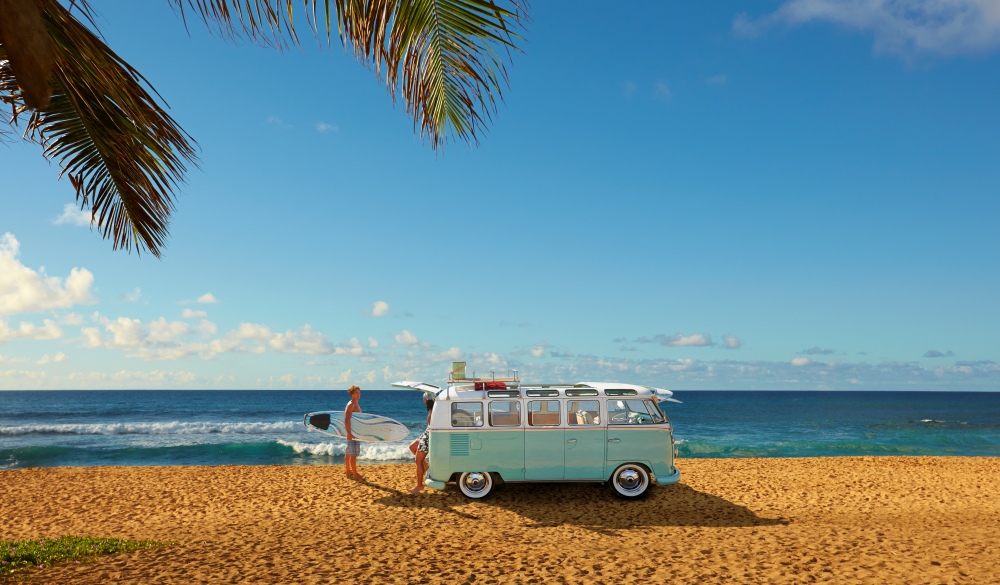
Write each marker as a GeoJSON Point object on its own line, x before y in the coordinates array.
{"type": "Point", "coordinates": [371, 428]}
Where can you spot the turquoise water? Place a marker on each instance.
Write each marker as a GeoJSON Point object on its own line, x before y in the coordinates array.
{"type": "Point", "coordinates": [82, 428]}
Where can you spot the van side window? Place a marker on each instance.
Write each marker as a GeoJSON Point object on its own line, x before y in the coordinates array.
{"type": "Point", "coordinates": [630, 412]}
{"type": "Point", "coordinates": [583, 412]}
{"type": "Point", "coordinates": [504, 413]}
{"type": "Point", "coordinates": [467, 414]}
{"type": "Point", "coordinates": [543, 413]}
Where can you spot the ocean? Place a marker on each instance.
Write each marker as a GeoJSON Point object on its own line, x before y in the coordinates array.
{"type": "Point", "coordinates": [176, 427]}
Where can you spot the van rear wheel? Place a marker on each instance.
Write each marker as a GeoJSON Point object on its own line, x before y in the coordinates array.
{"type": "Point", "coordinates": [631, 481]}
{"type": "Point", "coordinates": [476, 484]}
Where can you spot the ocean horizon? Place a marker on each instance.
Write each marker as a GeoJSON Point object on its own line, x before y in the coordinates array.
{"type": "Point", "coordinates": [52, 428]}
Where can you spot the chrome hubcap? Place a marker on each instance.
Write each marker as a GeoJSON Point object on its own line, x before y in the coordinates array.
{"type": "Point", "coordinates": [629, 479]}
{"type": "Point", "coordinates": [475, 481]}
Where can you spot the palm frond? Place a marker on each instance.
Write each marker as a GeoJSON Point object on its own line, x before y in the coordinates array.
{"type": "Point", "coordinates": [123, 154]}
{"type": "Point", "coordinates": [445, 57]}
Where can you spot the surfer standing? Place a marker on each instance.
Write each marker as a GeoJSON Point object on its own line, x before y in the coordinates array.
{"type": "Point", "coordinates": [353, 447]}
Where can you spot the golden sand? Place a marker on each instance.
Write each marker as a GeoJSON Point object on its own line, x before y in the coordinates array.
{"type": "Point", "coordinates": [837, 520]}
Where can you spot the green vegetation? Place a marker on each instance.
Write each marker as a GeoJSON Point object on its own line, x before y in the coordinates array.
{"type": "Point", "coordinates": [18, 555]}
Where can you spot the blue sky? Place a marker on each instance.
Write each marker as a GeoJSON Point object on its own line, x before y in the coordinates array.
{"type": "Point", "coordinates": [796, 194]}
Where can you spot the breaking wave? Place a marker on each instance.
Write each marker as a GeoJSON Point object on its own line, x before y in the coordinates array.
{"type": "Point", "coordinates": [154, 428]}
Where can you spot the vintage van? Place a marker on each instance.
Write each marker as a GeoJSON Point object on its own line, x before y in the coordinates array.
{"type": "Point", "coordinates": [485, 431]}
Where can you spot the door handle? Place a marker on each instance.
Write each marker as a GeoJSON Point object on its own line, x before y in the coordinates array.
{"type": "Point", "coordinates": [571, 441]}
{"type": "Point", "coordinates": [614, 440]}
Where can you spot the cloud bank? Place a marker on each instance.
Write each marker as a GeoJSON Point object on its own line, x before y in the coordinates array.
{"type": "Point", "coordinates": [23, 290]}
{"type": "Point", "coordinates": [904, 27]}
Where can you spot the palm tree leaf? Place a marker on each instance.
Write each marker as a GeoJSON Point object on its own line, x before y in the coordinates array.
{"type": "Point", "coordinates": [123, 154]}
{"type": "Point", "coordinates": [445, 57]}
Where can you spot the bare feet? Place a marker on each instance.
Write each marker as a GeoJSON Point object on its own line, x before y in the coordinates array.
{"type": "Point", "coordinates": [417, 490]}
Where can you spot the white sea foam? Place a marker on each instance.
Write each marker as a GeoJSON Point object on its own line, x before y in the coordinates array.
{"type": "Point", "coordinates": [369, 451]}
{"type": "Point", "coordinates": [157, 428]}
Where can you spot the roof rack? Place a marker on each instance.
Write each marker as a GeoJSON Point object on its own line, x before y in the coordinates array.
{"type": "Point", "coordinates": [458, 374]}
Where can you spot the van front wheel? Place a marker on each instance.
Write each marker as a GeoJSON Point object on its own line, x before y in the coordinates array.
{"type": "Point", "coordinates": [476, 484]}
{"type": "Point", "coordinates": [631, 481]}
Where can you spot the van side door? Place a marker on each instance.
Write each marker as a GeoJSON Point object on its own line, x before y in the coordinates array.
{"type": "Point", "coordinates": [543, 441]}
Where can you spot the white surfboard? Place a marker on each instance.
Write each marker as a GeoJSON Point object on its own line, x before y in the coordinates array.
{"type": "Point", "coordinates": [422, 386]}
{"type": "Point", "coordinates": [371, 428]}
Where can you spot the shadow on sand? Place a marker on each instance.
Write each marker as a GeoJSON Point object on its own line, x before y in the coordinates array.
{"type": "Point", "coordinates": [557, 504]}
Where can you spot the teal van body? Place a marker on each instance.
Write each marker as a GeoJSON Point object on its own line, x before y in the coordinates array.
{"type": "Point", "coordinates": [487, 432]}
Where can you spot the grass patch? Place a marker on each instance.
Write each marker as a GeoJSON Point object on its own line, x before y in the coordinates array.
{"type": "Point", "coordinates": [19, 555]}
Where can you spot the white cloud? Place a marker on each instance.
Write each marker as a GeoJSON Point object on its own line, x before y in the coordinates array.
{"type": "Point", "coordinates": [73, 216]}
{"type": "Point", "coordinates": [12, 360]}
{"type": "Point", "coordinates": [48, 330]}
{"type": "Point", "coordinates": [731, 342]}
{"type": "Point", "coordinates": [163, 331]}
{"type": "Point", "coordinates": [23, 290]}
{"type": "Point", "coordinates": [132, 297]}
{"type": "Point", "coordinates": [125, 333]}
{"type": "Point", "coordinates": [945, 27]}
{"type": "Point", "coordinates": [661, 90]}
{"type": "Point", "coordinates": [189, 314]}
{"type": "Point", "coordinates": [801, 361]}
{"type": "Point", "coordinates": [353, 347]}
{"type": "Point", "coordinates": [380, 308]}
{"type": "Point", "coordinates": [71, 319]}
{"type": "Point", "coordinates": [696, 340]}
{"type": "Point", "coordinates": [91, 337]}
{"type": "Point", "coordinates": [407, 338]}
{"type": "Point", "coordinates": [719, 79]}
{"type": "Point", "coordinates": [305, 340]}
{"type": "Point", "coordinates": [8, 377]}
{"type": "Point", "coordinates": [538, 350]}
{"type": "Point", "coordinates": [372, 342]}
{"type": "Point", "coordinates": [207, 328]}
{"type": "Point", "coordinates": [152, 376]}
{"type": "Point", "coordinates": [207, 298]}
{"type": "Point", "coordinates": [253, 331]}
{"type": "Point", "coordinates": [323, 128]}
{"type": "Point", "coordinates": [678, 340]}
{"type": "Point", "coordinates": [55, 359]}
{"type": "Point", "coordinates": [448, 355]}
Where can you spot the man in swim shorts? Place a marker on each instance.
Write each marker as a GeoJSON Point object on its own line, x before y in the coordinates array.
{"type": "Point", "coordinates": [353, 446]}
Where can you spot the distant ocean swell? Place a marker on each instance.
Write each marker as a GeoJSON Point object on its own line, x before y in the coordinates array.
{"type": "Point", "coordinates": [981, 446]}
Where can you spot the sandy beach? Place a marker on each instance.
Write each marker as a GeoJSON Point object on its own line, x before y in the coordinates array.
{"type": "Point", "coordinates": [837, 520]}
